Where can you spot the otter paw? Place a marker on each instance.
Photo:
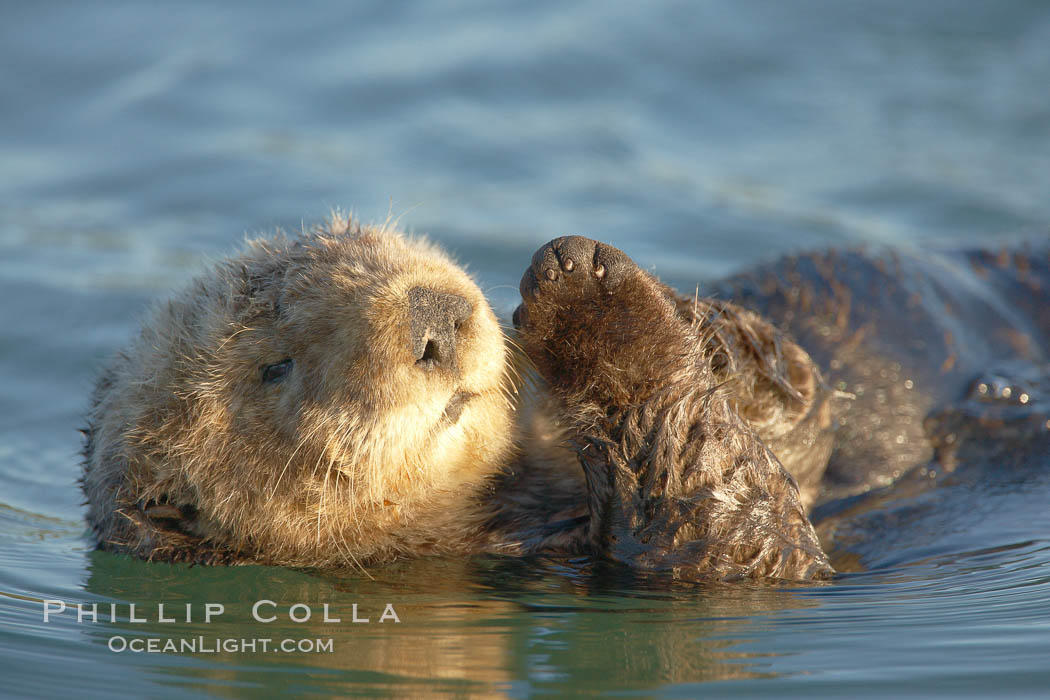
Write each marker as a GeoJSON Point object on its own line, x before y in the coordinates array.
{"type": "Point", "coordinates": [573, 268]}
{"type": "Point", "coordinates": [596, 326]}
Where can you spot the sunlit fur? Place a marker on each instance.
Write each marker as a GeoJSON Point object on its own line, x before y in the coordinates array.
{"type": "Point", "coordinates": [348, 459]}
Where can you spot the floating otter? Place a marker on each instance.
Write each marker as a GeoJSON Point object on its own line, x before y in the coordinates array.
{"type": "Point", "coordinates": [347, 397]}
{"type": "Point", "coordinates": [304, 403]}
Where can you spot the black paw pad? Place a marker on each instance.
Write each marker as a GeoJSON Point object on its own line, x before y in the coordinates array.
{"type": "Point", "coordinates": [576, 265]}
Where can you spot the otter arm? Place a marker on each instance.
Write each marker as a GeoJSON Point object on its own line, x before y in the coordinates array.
{"type": "Point", "coordinates": [676, 480]}
{"type": "Point", "coordinates": [773, 384]}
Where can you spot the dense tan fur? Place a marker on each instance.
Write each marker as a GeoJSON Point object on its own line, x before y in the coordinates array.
{"type": "Point", "coordinates": [349, 459]}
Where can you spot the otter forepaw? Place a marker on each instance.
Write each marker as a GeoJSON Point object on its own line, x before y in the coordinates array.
{"type": "Point", "coordinates": [594, 324]}
{"type": "Point", "coordinates": [574, 266]}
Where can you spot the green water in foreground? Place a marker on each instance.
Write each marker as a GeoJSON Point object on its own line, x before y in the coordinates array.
{"type": "Point", "coordinates": [964, 626]}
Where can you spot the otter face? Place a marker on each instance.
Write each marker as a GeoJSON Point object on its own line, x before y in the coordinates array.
{"type": "Point", "coordinates": [381, 345]}
{"type": "Point", "coordinates": [310, 398]}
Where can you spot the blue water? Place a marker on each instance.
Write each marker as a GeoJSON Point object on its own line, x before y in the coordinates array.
{"type": "Point", "coordinates": [138, 140]}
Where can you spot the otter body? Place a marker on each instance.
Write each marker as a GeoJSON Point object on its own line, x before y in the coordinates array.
{"type": "Point", "coordinates": [347, 397]}
{"type": "Point", "coordinates": [910, 338]}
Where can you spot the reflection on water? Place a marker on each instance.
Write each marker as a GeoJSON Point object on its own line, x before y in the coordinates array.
{"type": "Point", "coordinates": [497, 626]}
{"type": "Point", "coordinates": [138, 140]}
{"type": "Point", "coordinates": [470, 626]}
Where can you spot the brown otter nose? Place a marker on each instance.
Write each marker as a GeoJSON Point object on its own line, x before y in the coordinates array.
{"type": "Point", "coordinates": [434, 320]}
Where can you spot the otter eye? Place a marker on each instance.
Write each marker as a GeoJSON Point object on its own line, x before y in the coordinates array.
{"type": "Point", "coordinates": [275, 373]}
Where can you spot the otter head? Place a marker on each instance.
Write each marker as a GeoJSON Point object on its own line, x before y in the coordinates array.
{"type": "Point", "coordinates": [313, 400]}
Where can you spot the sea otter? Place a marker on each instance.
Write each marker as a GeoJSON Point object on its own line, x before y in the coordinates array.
{"type": "Point", "coordinates": [347, 397]}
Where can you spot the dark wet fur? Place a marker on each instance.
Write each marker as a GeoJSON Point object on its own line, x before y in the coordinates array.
{"type": "Point", "coordinates": [908, 335]}
{"type": "Point", "coordinates": [676, 479]}
{"type": "Point", "coordinates": [907, 369]}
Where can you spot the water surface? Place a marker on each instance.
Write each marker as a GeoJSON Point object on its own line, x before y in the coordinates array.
{"type": "Point", "coordinates": [137, 141]}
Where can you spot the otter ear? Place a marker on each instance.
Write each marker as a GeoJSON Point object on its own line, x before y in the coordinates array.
{"type": "Point", "coordinates": [258, 287]}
